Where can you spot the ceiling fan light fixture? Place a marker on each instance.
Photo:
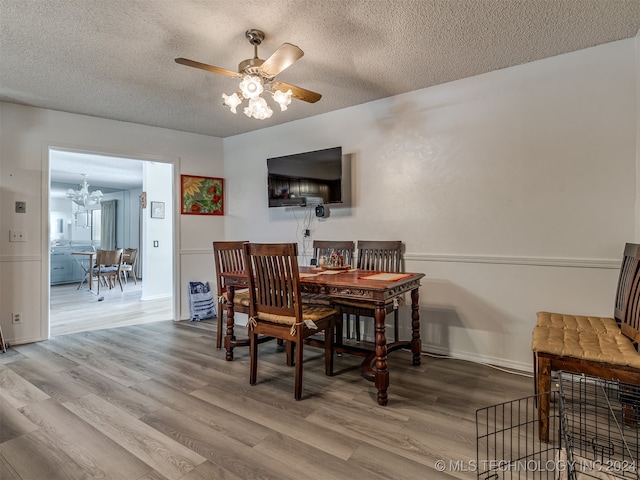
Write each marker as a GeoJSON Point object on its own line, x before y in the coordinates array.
{"type": "Point", "coordinates": [283, 98]}
{"type": "Point", "coordinates": [232, 101]}
{"type": "Point", "coordinates": [251, 86]}
{"type": "Point", "coordinates": [257, 76]}
{"type": "Point", "coordinates": [258, 108]}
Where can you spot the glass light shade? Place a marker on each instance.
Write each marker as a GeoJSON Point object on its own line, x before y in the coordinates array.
{"type": "Point", "coordinates": [83, 198]}
{"type": "Point", "coordinates": [258, 108]}
{"type": "Point", "coordinates": [232, 101]}
{"type": "Point", "coordinates": [283, 98]}
{"type": "Point", "coordinates": [251, 86]}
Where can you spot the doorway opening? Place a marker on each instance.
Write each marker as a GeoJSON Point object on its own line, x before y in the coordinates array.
{"type": "Point", "coordinates": [121, 219]}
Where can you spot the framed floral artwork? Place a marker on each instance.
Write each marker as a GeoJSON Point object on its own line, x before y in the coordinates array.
{"type": "Point", "coordinates": [202, 195]}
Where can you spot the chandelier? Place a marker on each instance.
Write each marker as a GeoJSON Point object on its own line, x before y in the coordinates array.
{"type": "Point", "coordinates": [82, 197]}
{"type": "Point", "coordinates": [251, 88]}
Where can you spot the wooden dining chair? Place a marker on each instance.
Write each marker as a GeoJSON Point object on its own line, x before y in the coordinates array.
{"type": "Point", "coordinates": [276, 309]}
{"type": "Point", "coordinates": [373, 255]}
{"type": "Point", "coordinates": [324, 248]}
{"type": "Point", "coordinates": [129, 259]}
{"type": "Point", "coordinates": [228, 257]}
{"type": "Point", "coordinates": [108, 267]}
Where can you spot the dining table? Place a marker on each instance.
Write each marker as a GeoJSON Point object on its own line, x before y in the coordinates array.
{"type": "Point", "coordinates": [375, 288]}
{"type": "Point", "coordinates": [85, 260]}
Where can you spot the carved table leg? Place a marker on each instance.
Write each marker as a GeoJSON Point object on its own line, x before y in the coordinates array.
{"type": "Point", "coordinates": [416, 345]}
{"type": "Point", "coordinates": [229, 338]}
{"type": "Point", "coordinates": [381, 372]}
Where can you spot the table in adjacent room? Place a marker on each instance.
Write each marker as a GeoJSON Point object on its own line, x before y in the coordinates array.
{"type": "Point", "coordinates": [87, 265]}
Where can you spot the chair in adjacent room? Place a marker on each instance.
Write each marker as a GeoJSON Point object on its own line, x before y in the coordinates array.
{"type": "Point", "coordinates": [383, 256]}
{"type": "Point", "coordinates": [228, 257]}
{"type": "Point", "coordinates": [128, 268]}
{"type": "Point", "coordinates": [108, 267]}
{"type": "Point", "coordinates": [324, 248]}
{"type": "Point", "coordinates": [276, 308]}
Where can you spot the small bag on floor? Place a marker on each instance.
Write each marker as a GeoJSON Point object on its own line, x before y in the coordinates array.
{"type": "Point", "coordinates": [201, 301]}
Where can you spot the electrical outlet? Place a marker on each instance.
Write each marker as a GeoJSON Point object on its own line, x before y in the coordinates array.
{"type": "Point", "coordinates": [16, 318]}
{"type": "Point", "coordinates": [17, 236]}
{"type": "Point", "coordinates": [306, 232]}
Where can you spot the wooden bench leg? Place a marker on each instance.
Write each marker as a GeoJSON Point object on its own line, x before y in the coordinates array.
{"type": "Point", "coordinates": [543, 389]}
{"type": "Point", "coordinates": [629, 401]}
{"type": "Point", "coordinates": [535, 375]}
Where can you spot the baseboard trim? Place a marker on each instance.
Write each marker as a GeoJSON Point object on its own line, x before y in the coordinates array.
{"type": "Point", "coordinates": [14, 342]}
{"type": "Point", "coordinates": [482, 359]}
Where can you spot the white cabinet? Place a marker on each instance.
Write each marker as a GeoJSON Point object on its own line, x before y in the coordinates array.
{"type": "Point", "coordinates": [64, 267]}
{"type": "Point", "coordinates": [61, 266]}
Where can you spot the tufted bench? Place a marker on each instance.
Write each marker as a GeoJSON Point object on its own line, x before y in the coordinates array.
{"type": "Point", "coordinates": [598, 346]}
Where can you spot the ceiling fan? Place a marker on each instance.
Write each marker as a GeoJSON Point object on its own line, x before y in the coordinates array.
{"type": "Point", "coordinates": [258, 76]}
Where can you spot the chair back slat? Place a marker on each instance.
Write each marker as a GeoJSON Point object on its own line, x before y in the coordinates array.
{"type": "Point", "coordinates": [275, 279]}
{"type": "Point", "coordinates": [627, 308]}
{"type": "Point", "coordinates": [324, 248]}
{"type": "Point", "coordinates": [633, 307]}
{"type": "Point", "coordinates": [630, 262]}
{"type": "Point", "coordinates": [227, 258]}
{"type": "Point", "coordinates": [380, 255]}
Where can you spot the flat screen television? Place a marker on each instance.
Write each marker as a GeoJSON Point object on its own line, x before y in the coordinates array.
{"type": "Point", "coordinates": [307, 179]}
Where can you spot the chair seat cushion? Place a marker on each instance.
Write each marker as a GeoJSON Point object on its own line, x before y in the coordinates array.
{"type": "Point", "coordinates": [309, 312]}
{"type": "Point", "coordinates": [239, 298]}
{"type": "Point", "coordinates": [110, 269]}
{"type": "Point", "coordinates": [612, 348]}
{"type": "Point", "coordinates": [581, 323]}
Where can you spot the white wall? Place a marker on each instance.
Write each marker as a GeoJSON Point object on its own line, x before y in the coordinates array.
{"type": "Point", "coordinates": [514, 191]}
{"type": "Point", "coordinates": [158, 237]}
{"type": "Point", "coordinates": [26, 134]}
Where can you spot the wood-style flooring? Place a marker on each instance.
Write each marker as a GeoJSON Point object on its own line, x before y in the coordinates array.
{"type": "Point", "coordinates": [72, 310]}
{"type": "Point", "coordinates": [158, 401]}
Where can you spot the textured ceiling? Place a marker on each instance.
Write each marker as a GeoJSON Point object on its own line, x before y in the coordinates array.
{"type": "Point", "coordinates": [115, 58]}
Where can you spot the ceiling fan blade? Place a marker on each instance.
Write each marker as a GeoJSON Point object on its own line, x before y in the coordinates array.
{"type": "Point", "coordinates": [297, 92]}
{"type": "Point", "coordinates": [209, 68]}
{"type": "Point", "coordinates": [283, 57]}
